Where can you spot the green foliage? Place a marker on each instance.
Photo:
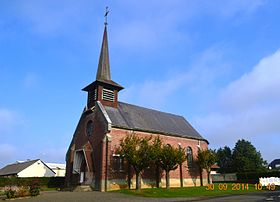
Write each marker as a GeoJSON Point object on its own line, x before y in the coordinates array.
{"type": "Point", "coordinates": [138, 153]}
{"type": "Point", "coordinates": [142, 152]}
{"type": "Point", "coordinates": [156, 150]}
{"type": "Point", "coordinates": [224, 160]}
{"type": "Point", "coordinates": [253, 177]}
{"type": "Point", "coordinates": [170, 158]}
{"type": "Point", "coordinates": [205, 159]}
{"type": "Point", "coordinates": [52, 182]}
{"type": "Point", "coordinates": [246, 158]}
{"type": "Point", "coordinates": [10, 193]}
{"type": "Point", "coordinates": [34, 188]}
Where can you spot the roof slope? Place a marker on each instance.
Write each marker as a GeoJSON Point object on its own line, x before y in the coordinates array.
{"type": "Point", "coordinates": [15, 168]}
{"type": "Point", "coordinates": [140, 118]}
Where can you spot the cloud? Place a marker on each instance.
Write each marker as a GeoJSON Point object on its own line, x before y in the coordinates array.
{"type": "Point", "coordinates": [52, 18]}
{"type": "Point", "coordinates": [248, 107]}
{"type": "Point", "coordinates": [229, 9]}
{"type": "Point", "coordinates": [53, 155]}
{"type": "Point", "coordinates": [208, 66]}
{"type": "Point", "coordinates": [256, 88]}
{"type": "Point", "coordinates": [7, 154]}
{"type": "Point", "coordinates": [164, 21]}
{"type": "Point", "coordinates": [9, 120]}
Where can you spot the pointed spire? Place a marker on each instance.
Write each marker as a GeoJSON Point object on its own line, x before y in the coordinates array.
{"type": "Point", "coordinates": [103, 71]}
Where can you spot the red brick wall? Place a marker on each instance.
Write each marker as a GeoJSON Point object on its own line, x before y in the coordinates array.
{"type": "Point", "coordinates": [118, 134]}
{"type": "Point", "coordinates": [102, 168]}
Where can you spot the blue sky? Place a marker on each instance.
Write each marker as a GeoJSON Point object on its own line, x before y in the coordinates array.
{"type": "Point", "coordinates": [215, 62]}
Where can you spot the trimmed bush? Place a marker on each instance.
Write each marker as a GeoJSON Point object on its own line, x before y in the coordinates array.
{"type": "Point", "coordinates": [50, 182]}
{"type": "Point", "coordinates": [253, 177]}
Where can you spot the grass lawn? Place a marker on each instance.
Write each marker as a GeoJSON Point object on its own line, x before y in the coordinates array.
{"type": "Point", "coordinates": [48, 189]}
{"type": "Point", "coordinates": [216, 189]}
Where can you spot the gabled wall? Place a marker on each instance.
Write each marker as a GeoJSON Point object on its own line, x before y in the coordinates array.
{"type": "Point", "coordinates": [37, 169]}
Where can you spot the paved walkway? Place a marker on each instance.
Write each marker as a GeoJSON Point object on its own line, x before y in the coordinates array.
{"type": "Point", "coordinates": [117, 197]}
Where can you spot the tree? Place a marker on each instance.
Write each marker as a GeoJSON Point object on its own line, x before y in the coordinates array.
{"type": "Point", "coordinates": [205, 159]}
{"type": "Point", "coordinates": [169, 159]}
{"type": "Point", "coordinates": [137, 152]}
{"type": "Point", "coordinates": [155, 153]}
{"type": "Point", "coordinates": [246, 158]}
{"type": "Point", "coordinates": [224, 160]}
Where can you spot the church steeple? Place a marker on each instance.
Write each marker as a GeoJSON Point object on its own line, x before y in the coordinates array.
{"type": "Point", "coordinates": [103, 71]}
{"type": "Point", "coordinates": [103, 89]}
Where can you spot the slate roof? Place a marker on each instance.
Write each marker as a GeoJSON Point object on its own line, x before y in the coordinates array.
{"type": "Point", "coordinates": [139, 118]}
{"type": "Point", "coordinates": [15, 168]}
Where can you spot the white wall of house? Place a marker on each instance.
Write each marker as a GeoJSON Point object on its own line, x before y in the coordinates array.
{"type": "Point", "coordinates": [37, 169]}
{"type": "Point", "coordinates": [58, 168]}
{"type": "Point", "coordinates": [59, 172]}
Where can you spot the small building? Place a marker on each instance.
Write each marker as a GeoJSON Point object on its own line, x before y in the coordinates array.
{"type": "Point", "coordinates": [29, 168]}
{"type": "Point", "coordinates": [275, 164]}
{"type": "Point", "coordinates": [58, 168]}
{"type": "Point", "coordinates": [214, 169]}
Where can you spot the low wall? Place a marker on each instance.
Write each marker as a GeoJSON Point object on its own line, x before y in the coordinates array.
{"type": "Point", "coordinates": [228, 177]}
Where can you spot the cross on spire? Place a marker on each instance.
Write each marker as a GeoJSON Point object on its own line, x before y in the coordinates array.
{"type": "Point", "coordinates": [106, 14]}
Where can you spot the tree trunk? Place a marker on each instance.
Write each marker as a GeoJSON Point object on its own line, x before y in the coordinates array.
{"type": "Point", "coordinates": [208, 177]}
{"type": "Point", "coordinates": [157, 176]}
{"type": "Point", "coordinates": [138, 181]}
{"type": "Point", "coordinates": [167, 179]}
{"type": "Point", "coordinates": [181, 176]}
{"type": "Point", "coordinates": [201, 179]}
{"type": "Point", "coordinates": [129, 176]}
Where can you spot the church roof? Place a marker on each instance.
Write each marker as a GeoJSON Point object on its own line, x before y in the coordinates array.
{"type": "Point", "coordinates": [139, 118]}
{"type": "Point", "coordinates": [15, 168]}
{"type": "Point", "coordinates": [103, 74]}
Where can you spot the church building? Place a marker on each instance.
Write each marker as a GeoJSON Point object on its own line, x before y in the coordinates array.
{"type": "Point", "coordinates": [92, 158]}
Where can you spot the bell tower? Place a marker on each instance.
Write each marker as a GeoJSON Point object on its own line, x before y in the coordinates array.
{"type": "Point", "coordinates": [103, 89]}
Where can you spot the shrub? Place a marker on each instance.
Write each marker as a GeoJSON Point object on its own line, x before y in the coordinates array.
{"type": "Point", "coordinates": [53, 182]}
{"type": "Point", "coordinates": [34, 188]}
{"type": "Point", "coordinates": [22, 192]}
{"type": "Point", "coordinates": [253, 177]}
{"type": "Point", "coordinates": [10, 193]}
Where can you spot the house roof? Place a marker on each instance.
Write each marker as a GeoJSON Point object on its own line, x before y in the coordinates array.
{"type": "Point", "coordinates": [56, 165]}
{"type": "Point", "coordinates": [275, 162]}
{"type": "Point", "coordinates": [15, 168]}
{"type": "Point", "coordinates": [139, 118]}
{"type": "Point", "coordinates": [215, 166]}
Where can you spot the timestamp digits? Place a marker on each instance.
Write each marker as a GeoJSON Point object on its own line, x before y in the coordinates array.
{"type": "Point", "coordinates": [238, 187]}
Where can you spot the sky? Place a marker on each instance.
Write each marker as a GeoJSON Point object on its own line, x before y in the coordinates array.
{"type": "Point", "coordinates": [217, 63]}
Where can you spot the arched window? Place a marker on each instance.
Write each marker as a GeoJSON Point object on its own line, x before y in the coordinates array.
{"type": "Point", "coordinates": [189, 157]}
{"type": "Point", "coordinates": [89, 128]}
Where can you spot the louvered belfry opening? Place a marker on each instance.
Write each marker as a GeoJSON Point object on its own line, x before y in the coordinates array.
{"type": "Point", "coordinates": [103, 89]}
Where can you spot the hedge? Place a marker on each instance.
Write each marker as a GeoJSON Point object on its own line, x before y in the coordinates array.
{"type": "Point", "coordinates": [51, 182]}
{"type": "Point", "coordinates": [253, 177]}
